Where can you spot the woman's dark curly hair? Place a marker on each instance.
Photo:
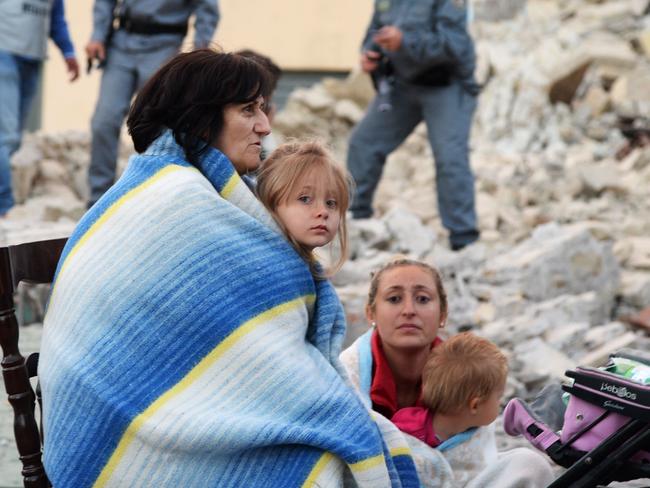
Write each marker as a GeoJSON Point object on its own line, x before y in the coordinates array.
{"type": "Point", "coordinates": [188, 95]}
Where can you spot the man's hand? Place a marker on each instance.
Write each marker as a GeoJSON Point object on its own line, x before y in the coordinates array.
{"type": "Point", "coordinates": [369, 61]}
{"type": "Point", "coordinates": [389, 38]}
{"type": "Point", "coordinates": [96, 50]}
{"type": "Point", "coordinates": [73, 68]}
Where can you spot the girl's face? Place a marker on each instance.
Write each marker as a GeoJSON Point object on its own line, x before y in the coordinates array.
{"type": "Point", "coordinates": [244, 125]}
{"type": "Point", "coordinates": [407, 308]}
{"type": "Point", "coordinates": [312, 213]}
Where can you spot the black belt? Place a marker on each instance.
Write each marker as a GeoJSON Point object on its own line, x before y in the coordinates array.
{"type": "Point", "coordinates": [135, 26]}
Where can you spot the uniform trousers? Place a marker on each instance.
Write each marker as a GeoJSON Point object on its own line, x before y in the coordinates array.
{"type": "Point", "coordinates": [124, 74]}
{"type": "Point", "coordinates": [18, 83]}
{"type": "Point", "coordinates": [447, 112]}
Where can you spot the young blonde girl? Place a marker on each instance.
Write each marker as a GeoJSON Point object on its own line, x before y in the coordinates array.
{"type": "Point", "coordinates": [308, 194]}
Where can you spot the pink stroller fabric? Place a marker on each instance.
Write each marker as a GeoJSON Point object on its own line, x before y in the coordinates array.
{"type": "Point", "coordinates": [583, 425]}
{"type": "Point", "coordinates": [518, 419]}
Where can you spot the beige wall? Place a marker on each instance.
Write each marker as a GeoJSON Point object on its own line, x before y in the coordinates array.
{"type": "Point", "coordinates": [297, 34]}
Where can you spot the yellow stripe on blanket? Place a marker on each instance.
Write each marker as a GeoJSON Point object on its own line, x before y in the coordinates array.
{"type": "Point", "coordinates": [116, 206]}
{"type": "Point", "coordinates": [137, 423]}
{"type": "Point", "coordinates": [231, 185]}
{"type": "Point", "coordinates": [400, 451]}
{"type": "Point", "coordinates": [367, 464]}
{"type": "Point", "coordinates": [324, 460]}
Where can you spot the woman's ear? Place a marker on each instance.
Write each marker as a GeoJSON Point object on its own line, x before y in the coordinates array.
{"type": "Point", "coordinates": [370, 315]}
{"type": "Point", "coordinates": [443, 320]}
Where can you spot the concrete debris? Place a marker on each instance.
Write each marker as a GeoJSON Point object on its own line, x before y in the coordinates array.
{"type": "Point", "coordinates": [561, 155]}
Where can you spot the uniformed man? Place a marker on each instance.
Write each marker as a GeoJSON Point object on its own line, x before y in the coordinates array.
{"type": "Point", "coordinates": [131, 39]}
{"type": "Point", "coordinates": [422, 61]}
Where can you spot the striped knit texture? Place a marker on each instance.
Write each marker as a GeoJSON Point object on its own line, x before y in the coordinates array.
{"type": "Point", "coordinates": [187, 344]}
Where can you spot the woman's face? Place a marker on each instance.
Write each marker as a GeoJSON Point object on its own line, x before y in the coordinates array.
{"type": "Point", "coordinates": [244, 125]}
{"type": "Point", "coordinates": [407, 308]}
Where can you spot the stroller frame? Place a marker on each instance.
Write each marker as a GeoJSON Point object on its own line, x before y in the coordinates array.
{"type": "Point", "coordinates": [610, 460]}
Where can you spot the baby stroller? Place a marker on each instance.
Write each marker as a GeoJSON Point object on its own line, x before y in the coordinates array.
{"type": "Point", "coordinates": [602, 433]}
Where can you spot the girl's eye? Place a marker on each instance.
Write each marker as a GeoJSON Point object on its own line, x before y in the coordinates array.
{"type": "Point", "coordinates": [423, 299]}
{"type": "Point", "coordinates": [331, 204]}
{"type": "Point", "coordinates": [249, 109]}
{"type": "Point", "coordinates": [304, 198]}
{"type": "Point", "coordinates": [393, 299]}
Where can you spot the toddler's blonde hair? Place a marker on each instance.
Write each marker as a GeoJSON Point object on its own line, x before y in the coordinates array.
{"type": "Point", "coordinates": [459, 369]}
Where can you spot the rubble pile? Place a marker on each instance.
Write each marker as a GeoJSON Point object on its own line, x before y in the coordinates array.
{"type": "Point", "coordinates": [562, 165]}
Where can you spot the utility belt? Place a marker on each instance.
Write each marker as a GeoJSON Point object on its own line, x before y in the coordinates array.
{"type": "Point", "coordinates": [137, 26]}
{"type": "Point", "coordinates": [440, 75]}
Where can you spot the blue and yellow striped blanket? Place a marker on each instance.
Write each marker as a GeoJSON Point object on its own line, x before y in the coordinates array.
{"type": "Point", "coordinates": [186, 344]}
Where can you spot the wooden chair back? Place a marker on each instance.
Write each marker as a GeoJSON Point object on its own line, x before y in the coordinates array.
{"type": "Point", "coordinates": [33, 262]}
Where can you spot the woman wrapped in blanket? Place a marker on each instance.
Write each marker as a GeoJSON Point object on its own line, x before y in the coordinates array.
{"type": "Point", "coordinates": [186, 342]}
{"type": "Point", "coordinates": [407, 305]}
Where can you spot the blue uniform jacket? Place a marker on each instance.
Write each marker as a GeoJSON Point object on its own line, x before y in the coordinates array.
{"type": "Point", "coordinates": [206, 14]}
{"type": "Point", "coordinates": [434, 34]}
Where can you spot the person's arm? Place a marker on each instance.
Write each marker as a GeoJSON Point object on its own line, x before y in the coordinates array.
{"type": "Point", "coordinates": [447, 42]}
{"type": "Point", "coordinates": [102, 19]}
{"type": "Point", "coordinates": [369, 54]}
{"type": "Point", "coordinates": [61, 36]}
{"type": "Point", "coordinates": [373, 27]}
{"type": "Point", "coordinates": [206, 15]}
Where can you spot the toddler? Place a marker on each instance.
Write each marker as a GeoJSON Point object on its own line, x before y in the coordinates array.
{"type": "Point", "coordinates": [307, 193]}
{"type": "Point", "coordinates": [462, 385]}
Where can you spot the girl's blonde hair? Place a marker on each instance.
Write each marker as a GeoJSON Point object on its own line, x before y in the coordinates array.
{"type": "Point", "coordinates": [282, 173]}
{"type": "Point", "coordinates": [461, 368]}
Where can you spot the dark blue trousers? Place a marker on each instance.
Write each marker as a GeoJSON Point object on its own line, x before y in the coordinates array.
{"type": "Point", "coordinates": [447, 112]}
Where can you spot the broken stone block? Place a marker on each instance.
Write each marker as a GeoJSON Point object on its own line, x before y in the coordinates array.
{"type": "Point", "coordinates": [484, 313]}
{"type": "Point", "coordinates": [635, 288]}
{"type": "Point", "coordinates": [630, 94]}
{"type": "Point", "coordinates": [537, 320]}
{"type": "Point", "coordinates": [360, 271]}
{"type": "Point", "coordinates": [53, 171]}
{"type": "Point", "coordinates": [640, 320]}
{"type": "Point", "coordinates": [568, 337]}
{"type": "Point", "coordinates": [643, 39]}
{"type": "Point", "coordinates": [597, 100]}
{"type": "Point", "coordinates": [483, 69]}
{"type": "Point", "coordinates": [556, 261]}
{"type": "Point", "coordinates": [314, 98]}
{"type": "Point", "coordinates": [599, 356]}
{"type": "Point", "coordinates": [596, 336]}
{"type": "Point", "coordinates": [487, 209]}
{"type": "Point", "coordinates": [349, 111]}
{"type": "Point", "coordinates": [539, 357]}
{"type": "Point", "coordinates": [24, 169]}
{"type": "Point", "coordinates": [366, 234]}
{"type": "Point", "coordinates": [497, 10]}
{"type": "Point", "coordinates": [586, 307]}
{"type": "Point", "coordinates": [640, 255]}
{"type": "Point", "coordinates": [601, 176]}
{"type": "Point", "coordinates": [607, 12]}
{"type": "Point", "coordinates": [408, 233]}
{"type": "Point", "coordinates": [357, 87]}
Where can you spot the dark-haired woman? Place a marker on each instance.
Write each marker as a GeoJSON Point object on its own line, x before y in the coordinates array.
{"type": "Point", "coordinates": [186, 343]}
